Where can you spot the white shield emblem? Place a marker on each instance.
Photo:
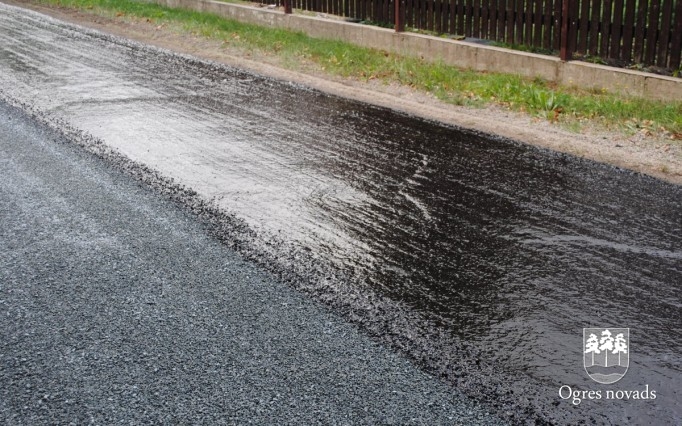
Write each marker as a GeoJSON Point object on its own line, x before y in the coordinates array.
{"type": "Point", "coordinates": [606, 353]}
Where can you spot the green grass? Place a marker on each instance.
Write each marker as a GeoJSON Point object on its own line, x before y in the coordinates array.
{"type": "Point", "coordinates": [570, 106]}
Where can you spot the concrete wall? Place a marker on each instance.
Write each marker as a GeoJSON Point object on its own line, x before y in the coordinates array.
{"type": "Point", "coordinates": [453, 52]}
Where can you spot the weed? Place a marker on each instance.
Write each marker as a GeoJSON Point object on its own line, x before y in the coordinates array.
{"type": "Point", "coordinates": [678, 72]}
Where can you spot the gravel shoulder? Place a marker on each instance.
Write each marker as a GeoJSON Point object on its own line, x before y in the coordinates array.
{"type": "Point", "coordinates": [640, 152]}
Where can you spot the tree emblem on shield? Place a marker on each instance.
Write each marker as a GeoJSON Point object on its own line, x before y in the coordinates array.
{"type": "Point", "coordinates": [606, 353]}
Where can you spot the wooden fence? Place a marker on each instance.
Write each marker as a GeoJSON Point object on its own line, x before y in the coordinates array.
{"type": "Point", "coordinates": [647, 32]}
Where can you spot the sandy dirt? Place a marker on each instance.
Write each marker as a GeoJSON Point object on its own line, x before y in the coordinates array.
{"type": "Point", "coordinates": [653, 155]}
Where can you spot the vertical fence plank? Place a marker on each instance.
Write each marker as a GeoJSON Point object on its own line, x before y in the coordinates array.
{"type": "Point", "coordinates": [393, 12]}
{"type": "Point", "coordinates": [605, 32]}
{"type": "Point", "coordinates": [416, 14]}
{"type": "Point", "coordinates": [595, 17]}
{"type": "Point", "coordinates": [469, 18]}
{"type": "Point", "coordinates": [547, 24]}
{"type": "Point", "coordinates": [676, 40]}
{"type": "Point", "coordinates": [460, 9]}
{"type": "Point", "coordinates": [476, 28]}
{"type": "Point", "coordinates": [406, 9]}
{"type": "Point", "coordinates": [642, 12]}
{"type": "Point", "coordinates": [583, 26]}
{"type": "Point", "coordinates": [528, 25]}
{"type": "Point", "coordinates": [616, 29]}
{"type": "Point", "coordinates": [386, 12]}
{"type": "Point", "coordinates": [494, 7]}
{"type": "Point", "coordinates": [483, 25]}
{"type": "Point", "coordinates": [537, 23]}
{"type": "Point", "coordinates": [556, 25]}
{"type": "Point", "coordinates": [459, 17]}
{"type": "Point", "coordinates": [444, 17]}
{"type": "Point", "coordinates": [403, 16]}
{"type": "Point", "coordinates": [428, 15]}
{"type": "Point", "coordinates": [452, 11]}
{"type": "Point", "coordinates": [407, 13]}
{"type": "Point", "coordinates": [573, 13]}
{"type": "Point", "coordinates": [437, 4]}
{"type": "Point", "coordinates": [447, 15]}
{"type": "Point", "coordinates": [501, 19]}
{"type": "Point", "coordinates": [628, 30]}
{"type": "Point", "coordinates": [666, 24]}
{"type": "Point", "coordinates": [494, 26]}
{"type": "Point", "coordinates": [564, 52]}
{"type": "Point", "coordinates": [518, 21]}
{"type": "Point", "coordinates": [652, 31]}
{"type": "Point", "coordinates": [509, 22]}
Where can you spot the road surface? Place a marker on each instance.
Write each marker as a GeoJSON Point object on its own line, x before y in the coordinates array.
{"type": "Point", "coordinates": [479, 258]}
{"type": "Point", "coordinates": [119, 307]}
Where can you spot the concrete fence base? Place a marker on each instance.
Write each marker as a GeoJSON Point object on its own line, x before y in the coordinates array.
{"type": "Point", "coordinates": [452, 52]}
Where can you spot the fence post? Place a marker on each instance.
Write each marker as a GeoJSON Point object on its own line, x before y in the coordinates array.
{"type": "Point", "coordinates": [565, 52]}
{"type": "Point", "coordinates": [399, 24]}
{"type": "Point", "coordinates": [287, 6]}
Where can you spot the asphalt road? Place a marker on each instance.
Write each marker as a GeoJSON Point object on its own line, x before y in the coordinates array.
{"type": "Point", "coordinates": [116, 306]}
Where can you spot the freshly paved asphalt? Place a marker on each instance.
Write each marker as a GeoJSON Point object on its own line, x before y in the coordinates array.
{"type": "Point", "coordinates": [116, 306]}
{"type": "Point", "coordinates": [480, 258]}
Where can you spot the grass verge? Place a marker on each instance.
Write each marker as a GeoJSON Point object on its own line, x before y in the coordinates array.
{"type": "Point", "coordinates": [568, 105]}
